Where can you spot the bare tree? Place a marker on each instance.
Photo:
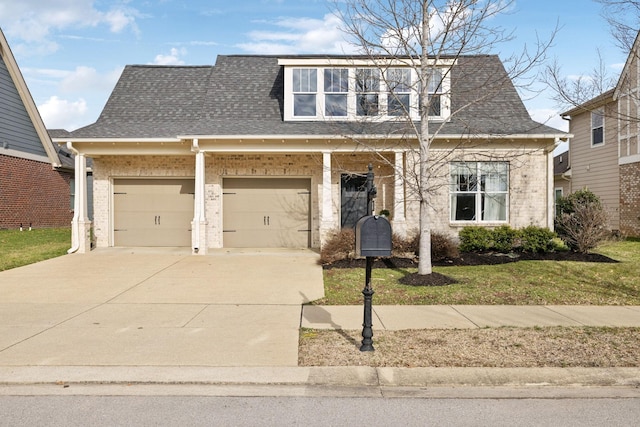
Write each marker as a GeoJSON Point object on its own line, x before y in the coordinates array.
{"type": "Point", "coordinates": [422, 34]}
{"type": "Point", "coordinates": [623, 17]}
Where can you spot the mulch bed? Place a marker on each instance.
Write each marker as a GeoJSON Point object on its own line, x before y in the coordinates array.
{"type": "Point", "coordinates": [465, 259]}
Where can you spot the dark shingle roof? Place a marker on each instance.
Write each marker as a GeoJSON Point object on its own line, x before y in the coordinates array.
{"type": "Point", "coordinates": [243, 95]}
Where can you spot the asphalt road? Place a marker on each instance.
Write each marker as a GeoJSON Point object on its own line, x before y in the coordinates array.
{"type": "Point", "coordinates": [82, 410]}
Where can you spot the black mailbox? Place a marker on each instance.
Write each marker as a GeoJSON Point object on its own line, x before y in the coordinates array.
{"type": "Point", "coordinates": [373, 236]}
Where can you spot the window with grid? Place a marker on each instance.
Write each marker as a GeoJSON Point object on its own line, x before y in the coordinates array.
{"type": "Point", "coordinates": [399, 92]}
{"type": "Point", "coordinates": [597, 127]}
{"type": "Point", "coordinates": [367, 91]}
{"type": "Point", "coordinates": [336, 90]}
{"type": "Point", "coordinates": [305, 83]}
{"type": "Point", "coordinates": [479, 191]}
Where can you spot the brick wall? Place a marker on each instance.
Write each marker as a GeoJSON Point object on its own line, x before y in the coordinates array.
{"type": "Point", "coordinates": [630, 199]}
{"type": "Point", "coordinates": [32, 192]}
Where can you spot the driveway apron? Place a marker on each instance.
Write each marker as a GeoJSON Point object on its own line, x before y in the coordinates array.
{"type": "Point", "coordinates": [157, 307]}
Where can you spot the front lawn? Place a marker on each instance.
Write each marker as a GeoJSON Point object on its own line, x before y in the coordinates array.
{"type": "Point", "coordinates": [18, 248]}
{"type": "Point", "coordinates": [517, 283]}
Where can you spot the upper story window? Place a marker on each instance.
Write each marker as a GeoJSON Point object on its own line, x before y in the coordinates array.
{"type": "Point", "coordinates": [597, 127]}
{"type": "Point", "coordinates": [340, 89]}
{"type": "Point", "coordinates": [305, 83]}
{"type": "Point", "coordinates": [336, 90]}
{"type": "Point", "coordinates": [399, 91]}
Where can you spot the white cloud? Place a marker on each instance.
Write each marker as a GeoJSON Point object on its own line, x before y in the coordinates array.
{"type": "Point", "coordinates": [299, 35]}
{"type": "Point", "coordinates": [173, 58]}
{"type": "Point", "coordinates": [84, 79]}
{"type": "Point", "coordinates": [63, 114]}
{"type": "Point", "coordinates": [32, 21]}
{"type": "Point", "coordinates": [550, 117]}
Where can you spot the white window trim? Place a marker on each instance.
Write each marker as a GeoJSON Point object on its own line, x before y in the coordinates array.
{"type": "Point", "coordinates": [478, 200]}
{"type": "Point", "coordinates": [445, 96]}
{"type": "Point", "coordinates": [599, 111]}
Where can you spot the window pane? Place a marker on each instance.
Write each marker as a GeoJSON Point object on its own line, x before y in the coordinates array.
{"type": "Point", "coordinates": [494, 176]}
{"type": "Point", "coordinates": [305, 80]}
{"type": "Point", "coordinates": [597, 136]}
{"type": "Point", "coordinates": [335, 105]}
{"type": "Point", "coordinates": [434, 106]}
{"type": "Point", "coordinates": [399, 80]}
{"type": "Point", "coordinates": [494, 207]}
{"type": "Point", "coordinates": [336, 80]}
{"type": "Point", "coordinates": [367, 105]}
{"type": "Point", "coordinates": [463, 207]}
{"type": "Point", "coordinates": [397, 105]}
{"type": "Point", "coordinates": [435, 81]}
{"type": "Point", "coordinates": [304, 105]}
{"type": "Point", "coordinates": [463, 177]}
{"type": "Point", "coordinates": [367, 80]}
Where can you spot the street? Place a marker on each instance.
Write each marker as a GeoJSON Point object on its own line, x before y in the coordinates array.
{"type": "Point", "coordinates": [555, 407]}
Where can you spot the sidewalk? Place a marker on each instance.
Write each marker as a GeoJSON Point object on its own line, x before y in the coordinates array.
{"type": "Point", "coordinates": [398, 317]}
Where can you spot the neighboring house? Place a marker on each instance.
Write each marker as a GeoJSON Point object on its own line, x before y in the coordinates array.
{"type": "Point", "coordinates": [266, 151]}
{"type": "Point", "coordinates": [35, 175]}
{"type": "Point", "coordinates": [604, 151]}
{"type": "Point", "coordinates": [561, 175]}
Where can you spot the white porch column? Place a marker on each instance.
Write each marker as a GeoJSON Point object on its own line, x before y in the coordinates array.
{"type": "Point", "coordinates": [551, 197]}
{"type": "Point", "coordinates": [199, 223]}
{"type": "Point", "coordinates": [326, 211]}
{"type": "Point", "coordinates": [398, 218]}
{"type": "Point", "coordinates": [80, 224]}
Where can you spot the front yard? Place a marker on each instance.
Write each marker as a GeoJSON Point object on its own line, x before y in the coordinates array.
{"type": "Point", "coordinates": [515, 283]}
{"type": "Point", "coordinates": [18, 248]}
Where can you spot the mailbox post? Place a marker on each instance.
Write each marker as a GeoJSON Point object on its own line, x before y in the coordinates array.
{"type": "Point", "coordinates": [373, 239]}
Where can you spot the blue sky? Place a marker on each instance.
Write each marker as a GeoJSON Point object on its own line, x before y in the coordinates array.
{"type": "Point", "coordinates": [71, 52]}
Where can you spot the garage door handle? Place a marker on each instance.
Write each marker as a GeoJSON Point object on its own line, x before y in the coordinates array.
{"type": "Point", "coordinates": [157, 220]}
{"type": "Point", "coordinates": [265, 220]}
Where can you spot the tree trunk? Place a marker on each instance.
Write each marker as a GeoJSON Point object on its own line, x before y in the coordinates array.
{"type": "Point", "coordinates": [424, 265]}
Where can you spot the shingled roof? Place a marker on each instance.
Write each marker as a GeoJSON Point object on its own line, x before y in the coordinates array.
{"type": "Point", "coordinates": [244, 95]}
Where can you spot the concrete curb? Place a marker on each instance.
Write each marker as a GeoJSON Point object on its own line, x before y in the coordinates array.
{"type": "Point", "coordinates": [349, 376]}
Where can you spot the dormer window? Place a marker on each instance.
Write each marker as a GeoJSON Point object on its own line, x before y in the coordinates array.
{"type": "Point", "coordinates": [305, 83]}
{"type": "Point", "coordinates": [367, 91]}
{"type": "Point", "coordinates": [399, 91]}
{"type": "Point", "coordinates": [336, 90]}
{"type": "Point", "coordinates": [351, 90]}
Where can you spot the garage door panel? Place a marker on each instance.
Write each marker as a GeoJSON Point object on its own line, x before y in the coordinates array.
{"type": "Point", "coordinates": [153, 212]}
{"type": "Point", "coordinates": [266, 212]}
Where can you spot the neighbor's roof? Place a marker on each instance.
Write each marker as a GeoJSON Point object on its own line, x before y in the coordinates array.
{"type": "Point", "coordinates": [244, 95]}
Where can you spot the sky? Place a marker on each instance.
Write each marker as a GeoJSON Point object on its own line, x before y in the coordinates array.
{"type": "Point", "coordinates": [71, 52]}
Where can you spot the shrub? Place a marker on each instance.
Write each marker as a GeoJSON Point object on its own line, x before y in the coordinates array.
{"type": "Point", "coordinates": [340, 244]}
{"type": "Point", "coordinates": [537, 239]}
{"type": "Point", "coordinates": [475, 239]}
{"type": "Point", "coordinates": [503, 238]}
{"type": "Point", "coordinates": [581, 221]}
{"type": "Point", "coordinates": [404, 245]}
{"type": "Point", "coordinates": [443, 247]}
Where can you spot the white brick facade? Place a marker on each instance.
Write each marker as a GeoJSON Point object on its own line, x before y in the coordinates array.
{"type": "Point", "coordinates": [528, 201]}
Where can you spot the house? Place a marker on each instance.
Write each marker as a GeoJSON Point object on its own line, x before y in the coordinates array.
{"type": "Point", "coordinates": [271, 151]}
{"type": "Point", "coordinates": [36, 176]}
{"type": "Point", "coordinates": [604, 151]}
{"type": "Point", "coordinates": [561, 175]}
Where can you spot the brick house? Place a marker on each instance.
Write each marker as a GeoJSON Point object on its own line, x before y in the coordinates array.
{"type": "Point", "coordinates": [266, 151]}
{"type": "Point", "coordinates": [35, 175]}
{"type": "Point", "coordinates": [604, 151]}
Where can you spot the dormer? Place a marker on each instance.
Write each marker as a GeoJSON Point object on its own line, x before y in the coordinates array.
{"type": "Point", "coordinates": [340, 89]}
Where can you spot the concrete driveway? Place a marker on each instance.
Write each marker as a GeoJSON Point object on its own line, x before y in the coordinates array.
{"type": "Point", "coordinates": [157, 307]}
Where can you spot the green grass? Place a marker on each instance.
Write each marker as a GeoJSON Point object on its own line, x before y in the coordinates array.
{"type": "Point", "coordinates": [519, 283]}
{"type": "Point", "coordinates": [18, 248]}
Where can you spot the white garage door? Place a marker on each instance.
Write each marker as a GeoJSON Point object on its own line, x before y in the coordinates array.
{"type": "Point", "coordinates": [266, 213]}
{"type": "Point", "coordinates": [153, 212]}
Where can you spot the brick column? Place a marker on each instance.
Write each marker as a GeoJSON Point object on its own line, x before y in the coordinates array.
{"type": "Point", "coordinates": [199, 223]}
